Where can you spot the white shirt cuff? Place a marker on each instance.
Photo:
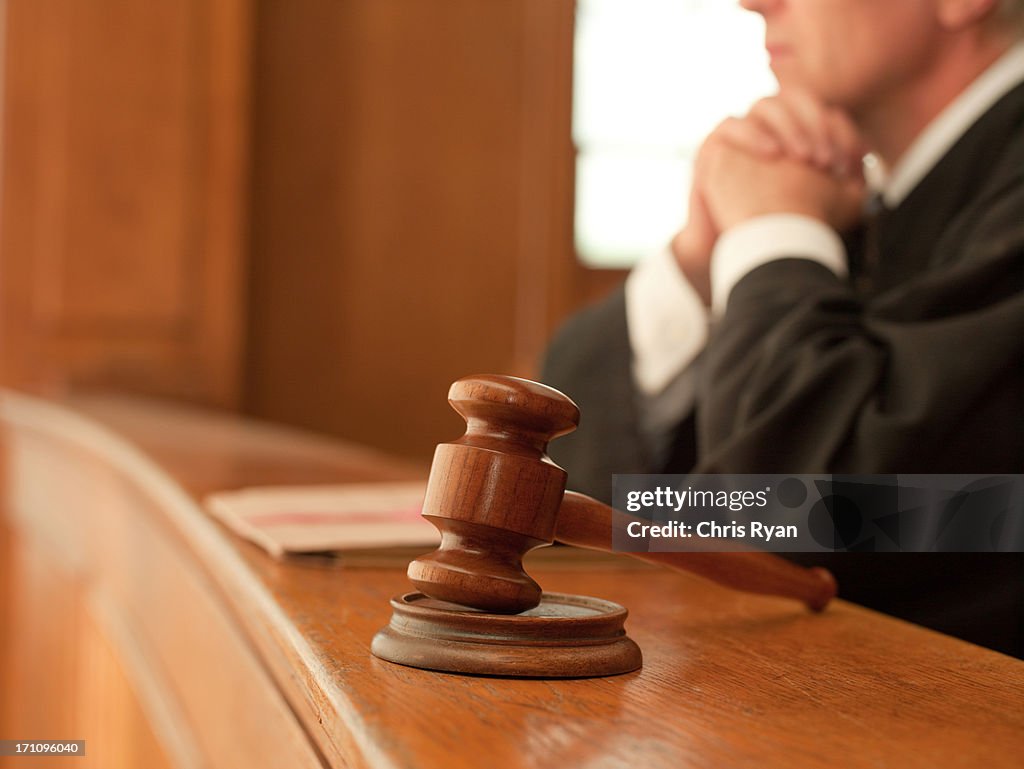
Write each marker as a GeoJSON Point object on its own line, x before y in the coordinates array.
{"type": "Point", "coordinates": [666, 319]}
{"type": "Point", "coordinates": [745, 247]}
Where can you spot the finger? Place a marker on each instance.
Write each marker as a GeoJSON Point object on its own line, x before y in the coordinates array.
{"type": "Point", "coordinates": [749, 136]}
{"type": "Point", "coordinates": [849, 145]}
{"type": "Point", "coordinates": [815, 121]}
{"type": "Point", "coordinates": [780, 120]}
{"type": "Point", "coordinates": [839, 147]}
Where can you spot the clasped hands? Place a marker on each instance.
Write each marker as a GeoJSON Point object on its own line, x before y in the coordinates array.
{"type": "Point", "coordinates": [789, 154]}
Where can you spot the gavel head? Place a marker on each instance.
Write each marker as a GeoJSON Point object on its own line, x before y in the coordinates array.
{"type": "Point", "coordinates": [494, 493]}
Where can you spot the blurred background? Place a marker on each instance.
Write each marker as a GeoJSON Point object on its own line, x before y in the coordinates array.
{"type": "Point", "coordinates": [317, 212]}
{"type": "Point", "coordinates": [322, 212]}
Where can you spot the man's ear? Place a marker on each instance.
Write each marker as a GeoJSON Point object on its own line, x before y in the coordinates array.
{"type": "Point", "coordinates": [958, 14]}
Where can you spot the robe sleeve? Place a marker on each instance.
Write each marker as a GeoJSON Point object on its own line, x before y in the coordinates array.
{"type": "Point", "coordinates": [803, 375]}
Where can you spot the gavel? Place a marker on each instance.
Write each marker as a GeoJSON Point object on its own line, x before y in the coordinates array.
{"type": "Point", "coordinates": [494, 495]}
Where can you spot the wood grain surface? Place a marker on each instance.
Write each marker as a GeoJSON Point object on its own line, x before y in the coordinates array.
{"type": "Point", "coordinates": [125, 171]}
{"type": "Point", "coordinates": [412, 182]}
{"type": "Point", "coordinates": [729, 679]}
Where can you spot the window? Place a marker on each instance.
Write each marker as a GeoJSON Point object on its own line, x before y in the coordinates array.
{"type": "Point", "coordinates": [651, 79]}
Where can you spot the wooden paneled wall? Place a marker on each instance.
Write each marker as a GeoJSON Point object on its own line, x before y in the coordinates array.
{"type": "Point", "coordinates": [412, 207]}
{"type": "Point", "coordinates": [319, 211]}
{"type": "Point", "coordinates": [125, 130]}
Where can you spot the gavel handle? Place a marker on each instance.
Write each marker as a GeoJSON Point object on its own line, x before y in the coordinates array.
{"type": "Point", "coordinates": [587, 523]}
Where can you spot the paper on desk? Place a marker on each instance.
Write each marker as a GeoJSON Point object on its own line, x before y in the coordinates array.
{"type": "Point", "coordinates": [304, 519]}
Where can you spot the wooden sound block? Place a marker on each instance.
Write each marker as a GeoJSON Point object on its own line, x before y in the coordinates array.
{"type": "Point", "coordinates": [566, 636]}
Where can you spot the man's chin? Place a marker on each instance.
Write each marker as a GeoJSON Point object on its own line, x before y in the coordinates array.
{"type": "Point", "coordinates": [791, 78]}
{"type": "Point", "coordinates": [788, 76]}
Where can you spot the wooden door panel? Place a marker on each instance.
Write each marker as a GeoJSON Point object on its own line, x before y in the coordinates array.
{"type": "Point", "coordinates": [124, 151]}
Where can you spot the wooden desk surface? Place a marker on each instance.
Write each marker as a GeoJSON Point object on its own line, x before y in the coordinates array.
{"type": "Point", "coordinates": [728, 679]}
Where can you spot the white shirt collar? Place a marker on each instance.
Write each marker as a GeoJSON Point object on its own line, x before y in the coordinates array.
{"type": "Point", "coordinates": [948, 126]}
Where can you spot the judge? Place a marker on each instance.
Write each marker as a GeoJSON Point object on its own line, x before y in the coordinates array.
{"type": "Point", "coordinates": [784, 332]}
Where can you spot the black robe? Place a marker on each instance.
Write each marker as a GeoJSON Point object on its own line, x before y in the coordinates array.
{"type": "Point", "coordinates": [913, 365]}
